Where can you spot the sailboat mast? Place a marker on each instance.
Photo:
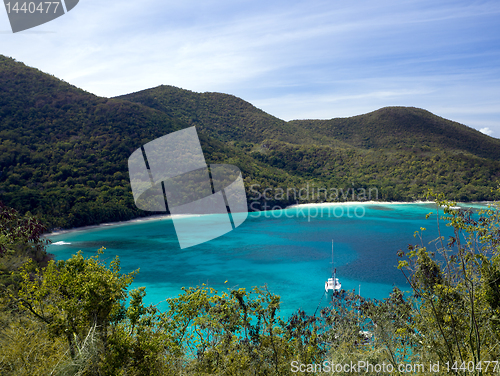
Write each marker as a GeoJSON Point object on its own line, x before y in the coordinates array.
{"type": "Point", "coordinates": [332, 258]}
{"type": "Point", "coordinates": [332, 283]}
{"type": "Point", "coordinates": [333, 270]}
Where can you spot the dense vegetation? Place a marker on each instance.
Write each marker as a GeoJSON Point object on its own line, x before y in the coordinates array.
{"type": "Point", "coordinates": [64, 152]}
{"type": "Point", "coordinates": [400, 128]}
{"type": "Point", "coordinates": [63, 163]}
{"type": "Point", "coordinates": [399, 150]}
{"type": "Point", "coordinates": [230, 118]}
{"type": "Point", "coordinates": [73, 317]}
{"type": "Point", "coordinates": [20, 242]}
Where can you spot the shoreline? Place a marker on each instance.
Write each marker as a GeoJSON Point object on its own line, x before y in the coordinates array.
{"type": "Point", "coordinates": [160, 217]}
{"type": "Point", "coordinates": [349, 203]}
{"type": "Point", "coordinates": [157, 217]}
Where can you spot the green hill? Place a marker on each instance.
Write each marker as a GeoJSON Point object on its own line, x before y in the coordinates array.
{"type": "Point", "coordinates": [404, 128]}
{"type": "Point", "coordinates": [399, 150]}
{"type": "Point", "coordinates": [229, 118]}
{"type": "Point", "coordinates": [64, 151]}
{"type": "Point", "coordinates": [223, 116]}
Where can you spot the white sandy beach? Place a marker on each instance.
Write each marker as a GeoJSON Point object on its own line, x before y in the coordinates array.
{"type": "Point", "coordinates": [309, 205]}
{"type": "Point", "coordinates": [140, 219]}
{"type": "Point", "coordinates": [350, 203]}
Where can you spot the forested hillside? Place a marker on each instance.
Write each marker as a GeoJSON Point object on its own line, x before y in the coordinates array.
{"type": "Point", "coordinates": [391, 128]}
{"type": "Point", "coordinates": [64, 151]}
{"type": "Point", "coordinates": [404, 128]}
{"type": "Point", "coordinates": [399, 150]}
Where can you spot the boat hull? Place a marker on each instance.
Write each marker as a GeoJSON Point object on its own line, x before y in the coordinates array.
{"type": "Point", "coordinates": [332, 284]}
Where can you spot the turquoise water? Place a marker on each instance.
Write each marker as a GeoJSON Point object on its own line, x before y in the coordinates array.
{"type": "Point", "coordinates": [288, 250]}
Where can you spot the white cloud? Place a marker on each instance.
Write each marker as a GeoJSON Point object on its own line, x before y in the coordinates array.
{"type": "Point", "coordinates": [486, 130]}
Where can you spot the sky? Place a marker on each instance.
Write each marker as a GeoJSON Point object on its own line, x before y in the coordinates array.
{"type": "Point", "coordinates": [294, 59]}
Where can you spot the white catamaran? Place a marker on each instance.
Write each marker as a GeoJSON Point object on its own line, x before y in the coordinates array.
{"type": "Point", "coordinates": [333, 282]}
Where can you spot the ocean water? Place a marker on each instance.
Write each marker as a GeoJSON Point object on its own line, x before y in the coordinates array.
{"type": "Point", "coordinates": [288, 250]}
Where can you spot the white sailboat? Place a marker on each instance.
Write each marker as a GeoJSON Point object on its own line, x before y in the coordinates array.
{"type": "Point", "coordinates": [333, 282]}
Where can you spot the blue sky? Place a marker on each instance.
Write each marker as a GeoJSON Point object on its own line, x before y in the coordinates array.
{"type": "Point", "coordinates": [294, 59]}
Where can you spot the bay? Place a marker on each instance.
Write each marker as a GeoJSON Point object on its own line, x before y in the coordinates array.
{"type": "Point", "coordinates": [289, 251]}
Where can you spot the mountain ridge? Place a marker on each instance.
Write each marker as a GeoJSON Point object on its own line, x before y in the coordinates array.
{"type": "Point", "coordinates": [64, 151]}
{"type": "Point", "coordinates": [455, 135]}
{"type": "Point", "coordinates": [366, 131]}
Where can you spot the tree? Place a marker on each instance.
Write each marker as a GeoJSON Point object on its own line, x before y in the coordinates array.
{"type": "Point", "coordinates": [456, 289]}
{"type": "Point", "coordinates": [75, 298]}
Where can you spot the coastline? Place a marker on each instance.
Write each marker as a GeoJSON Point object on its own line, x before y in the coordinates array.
{"type": "Point", "coordinates": [160, 217]}
{"type": "Point", "coordinates": [349, 203]}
